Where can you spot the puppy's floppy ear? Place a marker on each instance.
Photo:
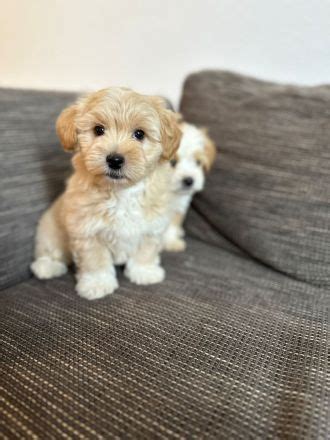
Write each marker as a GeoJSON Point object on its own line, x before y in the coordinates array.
{"type": "Point", "coordinates": [210, 151]}
{"type": "Point", "coordinates": [66, 128]}
{"type": "Point", "coordinates": [171, 133]}
{"type": "Point", "coordinates": [169, 128]}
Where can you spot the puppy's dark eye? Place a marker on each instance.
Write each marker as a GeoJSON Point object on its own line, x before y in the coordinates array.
{"type": "Point", "coordinates": [199, 163]}
{"type": "Point", "coordinates": [173, 162]}
{"type": "Point", "coordinates": [139, 135]}
{"type": "Point", "coordinates": [99, 130]}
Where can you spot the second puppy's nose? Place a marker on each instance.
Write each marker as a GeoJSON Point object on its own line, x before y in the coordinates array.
{"type": "Point", "coordinates": [115, 161]}
{"type": "Point", "coordinates": [187, 181]}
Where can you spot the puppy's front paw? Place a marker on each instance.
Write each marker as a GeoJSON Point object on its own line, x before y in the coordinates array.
{"type": "Point", "coordinates": [176, 245]}
{"type": "Point", "coordinates": [96, 285]}
{"type": "Point", "coordinates": [144, 274]}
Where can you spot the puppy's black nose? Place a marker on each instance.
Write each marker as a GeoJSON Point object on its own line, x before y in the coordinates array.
{"type": "Point", "coordinates": [187, 181]}
{"type": "Point", "coordinates": [115, 161]}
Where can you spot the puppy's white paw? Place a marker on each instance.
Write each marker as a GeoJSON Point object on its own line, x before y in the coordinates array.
{"type": "Point", "coordinates": [45, 268]}
{"type": "Point", "coordinates": [177, 245]}
{"type": "Point", "coordinates": [143, 275]}
{"type": "Point", "coordinates": [95, 285]}
{"type": "Point", "coordinates": [173, 239]}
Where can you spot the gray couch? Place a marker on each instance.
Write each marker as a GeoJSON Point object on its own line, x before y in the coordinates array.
{"type": "Point", "coordinates": [234, 344]}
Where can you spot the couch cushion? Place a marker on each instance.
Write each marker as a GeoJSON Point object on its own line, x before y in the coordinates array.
{"type": "Point", "coordinates": [270, 190]}
{"type": "Point", "coordinates": [32, 172]}
{"type": "Point", "coordinates": [225, 348]}
{"type": "Point", "coordinates": [199, 227]}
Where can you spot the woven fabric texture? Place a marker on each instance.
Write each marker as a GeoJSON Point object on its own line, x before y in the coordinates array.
{"type": "Point", "coordinates": [224, 349]}
{"type": "Point", "coordinates": [270, 190]}
{"type": "Point", "coordinates": [33, 168]}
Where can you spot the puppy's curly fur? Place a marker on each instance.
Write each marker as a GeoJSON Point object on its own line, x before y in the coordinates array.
{"type": "Point", "coordinates": [111, 216]}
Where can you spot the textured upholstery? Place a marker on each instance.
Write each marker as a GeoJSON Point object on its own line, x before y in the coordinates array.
{"type": "Point", "coordinates": [225, 348]}
{"type": "Point", "coordinates": [33, 168]}
{"type": "Point", "coordinates": [269, 193]}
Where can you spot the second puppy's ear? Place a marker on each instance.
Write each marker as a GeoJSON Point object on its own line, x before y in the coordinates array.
{"type": "Point", "coordinates": [210, 151]}
{"type": "Point", "coordinates": [169, 127]}
{"type": "Point", "coordinates": [66, 128]}
{"type": "Point", "coordinates": [171, 133]}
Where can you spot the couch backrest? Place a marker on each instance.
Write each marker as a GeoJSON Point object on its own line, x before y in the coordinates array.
{"type": "Point", "coordinates": [270, 190]}
{"type": "Point", "coordinates": [33, 168]}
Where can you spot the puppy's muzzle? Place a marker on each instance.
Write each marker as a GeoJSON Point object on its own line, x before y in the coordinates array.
{"type": "Point", "coordinates": [115, 161]}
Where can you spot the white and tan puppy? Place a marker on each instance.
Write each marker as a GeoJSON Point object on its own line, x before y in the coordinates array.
{"type": "Point", "coordinates": [115, 208]}
{"type": "Point", "coordinates": [193, 160]}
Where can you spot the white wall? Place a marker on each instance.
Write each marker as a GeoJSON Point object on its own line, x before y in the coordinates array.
{"type": "Point", "coordinates": [151, 45]}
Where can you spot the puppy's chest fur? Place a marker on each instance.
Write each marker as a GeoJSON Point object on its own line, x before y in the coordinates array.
{"type": "Point", "coordinates": [124, 215]}
{"type": "Point", "coordinates": [130, 215]}
{"type": "Point", "coordinates": [119, 218]}
{"type": "Point", "coordinates": [181, 202]}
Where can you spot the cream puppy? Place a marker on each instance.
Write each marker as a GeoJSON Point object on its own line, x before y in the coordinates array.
{"type": "Point", "coordinates": [193, 160]}
{"type": "Point", "coordinates": [115, 208]}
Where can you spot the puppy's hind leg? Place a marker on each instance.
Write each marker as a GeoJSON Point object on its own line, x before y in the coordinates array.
{"type": "Point", "coordinates": [144, 266]}
{"type": "Point", "coordinates": [173, 237]}
{"type": "Point", "coordinates": [51, 253]}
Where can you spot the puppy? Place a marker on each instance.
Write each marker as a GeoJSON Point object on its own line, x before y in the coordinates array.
{"type": "Point", "coordinates": [115, 208]}
{"type": "Point", "coordinates": [193, 160]}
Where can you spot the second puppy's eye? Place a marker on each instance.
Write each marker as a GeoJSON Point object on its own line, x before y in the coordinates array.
{"type": "Point", "coordinates": [99, 130]}
{"type": "Point", "coordinates": [199, 163]}
{"type": "Point", "coordinates": [139, 135]}
{"type": "Point", "coordinates": [173, 162]}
